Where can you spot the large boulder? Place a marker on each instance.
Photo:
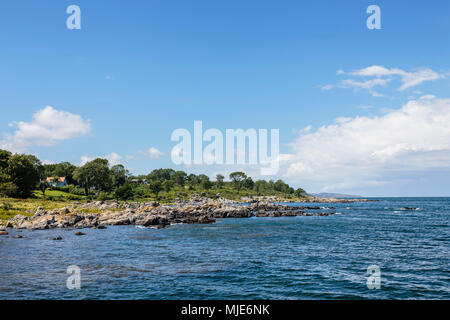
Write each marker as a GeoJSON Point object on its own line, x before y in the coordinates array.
{"type": "Point", "coordinates": [155, 221]}
{"type": "Point", "coordinates": [39, 213]}
{"type": "Point", "coordinates": [232, 212]}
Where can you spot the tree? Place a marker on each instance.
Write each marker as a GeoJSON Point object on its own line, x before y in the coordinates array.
{"type": "Point", "coordinates": [280, 186]}
{"type": "Point", "coordinates": [63, 169]}
{"type": "Point", "coordinates": [43, 186]}
{"type": "Point", "coordinates": [23, 171]}
{"type": "Point", "coordinates": [192, 180]}
{"type": "Point", "coordinates": [119, 175]}
{"type": "Point", "coordinates": [237, 179]}
{"type": "Point", "coordinates": [204, 181]}
{"type": "Point", "coordinates": [94, 174]}
{"type": "Point", "coordinates": [180, 177]}
{"type": "Point", "coordinates": [248, 183]}
{"type": "Point", "coordinates": [219, 181]}
{"type": "Point", "coordinates": [161, 174]}
{"type": "Point", "coordinates": [300, 193]}
{"type": "Point", "coordinates": [4, 157]}
{"type": "Point", "coordinates": [124, 192]}
{"type": "Point", "coordinates": [7, 188]}
{"type": "Point", "coordinates": [155, 187]}
{"type": "Point", "coordinates": [167, 185]}
{"type": "Point", "coordinates": [260, 186]}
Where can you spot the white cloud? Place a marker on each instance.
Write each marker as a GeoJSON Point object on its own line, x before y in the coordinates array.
{"type": "Point", "coordinates": [48, 127]}
{"type": "Point", "coordinates": [369, 151]}
{"type": "Point", "coordinates": [381, 76]}
{"type": "Point", "coordinates": [113, 159]}
{"type": "Point", "coordinates": [154, 153]}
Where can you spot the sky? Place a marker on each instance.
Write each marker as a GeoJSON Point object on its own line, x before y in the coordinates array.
{"type": "Point", "coordinates": [359, 111]}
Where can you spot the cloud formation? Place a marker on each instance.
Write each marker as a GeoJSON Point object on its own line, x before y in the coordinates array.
{"type": "Point", "coordinates": [154, 153]}
{"type": "Point", "coordinates": [381, 76]}
{"type": "Point", "coordinates": [48, 127]}
{"type": "Point", "coordinates": [368, 151]}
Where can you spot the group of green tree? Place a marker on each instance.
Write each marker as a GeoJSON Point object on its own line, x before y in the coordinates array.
{"type": "Point", "coordinates": [21, 175]}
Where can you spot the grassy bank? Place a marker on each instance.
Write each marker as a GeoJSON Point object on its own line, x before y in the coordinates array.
{"type": "Point", "coordinates": [54, 199]}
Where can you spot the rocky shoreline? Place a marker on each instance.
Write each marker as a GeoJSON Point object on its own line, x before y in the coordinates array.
{"type": "Point", "coordinates": [101, 214]}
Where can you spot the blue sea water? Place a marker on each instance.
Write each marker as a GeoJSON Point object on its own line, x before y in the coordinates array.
{"type": "Point", "coordinates": [254, 258]}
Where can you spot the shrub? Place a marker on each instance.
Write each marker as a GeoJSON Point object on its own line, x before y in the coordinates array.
{"type": "Point", "coordinates": [124, 192]}
{"type": "Point", "coordinates": [6, 206]}
{"type": "Point", "coordinates": [8, 189]}
{"type": "Point", "coordinates": [103, 196]}
{"type": "Point", "coordinates": [76, 190]}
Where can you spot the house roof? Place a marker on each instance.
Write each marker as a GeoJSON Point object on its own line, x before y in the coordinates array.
{"type": "Point", "coordinates": [60, 179]}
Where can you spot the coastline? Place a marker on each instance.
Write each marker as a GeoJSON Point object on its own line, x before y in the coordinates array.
{"type": "Point", "coordinates": [198, 210]}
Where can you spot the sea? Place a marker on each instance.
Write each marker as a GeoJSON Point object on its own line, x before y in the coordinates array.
{"type": "Point", "coordinates": [366, 250]}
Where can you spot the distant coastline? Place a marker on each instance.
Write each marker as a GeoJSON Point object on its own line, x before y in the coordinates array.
{"type": "Point", "coordinates": [336, 195]}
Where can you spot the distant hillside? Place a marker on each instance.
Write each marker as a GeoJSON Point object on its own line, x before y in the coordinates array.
{"type": "Point", "coordinates": [335, 195]}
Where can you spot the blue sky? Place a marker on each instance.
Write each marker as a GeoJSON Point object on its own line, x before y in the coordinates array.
{"type": "Point", "coordinates": [137, 70]}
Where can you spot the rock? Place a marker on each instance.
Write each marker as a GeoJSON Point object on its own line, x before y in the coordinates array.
{"type": "Point", "coordinates": [190, 220]}
{"type": "Point", "coordinates": [9, 225]}
{"type": "Point", "coordinates": [155, 220]}
{"type": "Point", "coordinates": [17, 236]}
{"type": "Point", "coordinates": [65, 221]}
{"type": "Point", "coordinates": [232, 212]}
{"type": "Point", "coordinates": [261, 213]}
{"type": "Point", "coordinates": [39, 212]}
{"type": "Point", "coordinates": [18, 219]}
{"type": "Point", "coordinates": [3, 233]}
{"type": "Point", "coordinates": [101, 227]}
{"type": "Point", "coordinates": [58, 238]}
{"type": "Point", "coordinates": [42, 223]}
{"type": "Point", "coordinates": [205, 220]}
{"type": "Point", "coordinates": [289, 213]}
{"type": "Point", "coordinates": [64, 211]}
{"type": "Point", "coordinates": [78, 233]}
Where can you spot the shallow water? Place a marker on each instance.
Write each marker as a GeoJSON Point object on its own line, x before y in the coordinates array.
{"type": "Point", "coordinates": [255, 258]}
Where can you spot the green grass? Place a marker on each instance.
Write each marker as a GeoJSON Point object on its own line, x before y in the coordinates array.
{"type": "Point", "coordinates": [8, 214]}
{"type": "Point", "coordinates": [58, 196]}
{"type": "Point", "coordinates": [10, 207]}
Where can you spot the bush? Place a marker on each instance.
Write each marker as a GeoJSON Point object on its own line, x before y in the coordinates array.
{"type": "Point", "coordinates": [124, 192]}
{"type": "Point", "coordinates": [8, 189]}
{"type": "Point", "coordinates": [6, 206]}
{"type": "Point", "coordinates": [76, 190]}
{"type": "Point", "coordinates": [141, 191]}
{"type": "Point", "coordinates": [62, 189]}
{"type": "Point", "coordinates": [74, 197]}
{"type": "Point", "coordinates": [103, 196]}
